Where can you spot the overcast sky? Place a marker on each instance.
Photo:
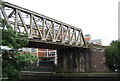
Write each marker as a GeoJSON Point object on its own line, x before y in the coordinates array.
{"type": "Point", "coordinates": [99, 18]}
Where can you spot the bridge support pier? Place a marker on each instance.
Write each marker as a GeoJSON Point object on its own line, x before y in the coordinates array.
{"type": "Point", "coordinates": [73, 60]}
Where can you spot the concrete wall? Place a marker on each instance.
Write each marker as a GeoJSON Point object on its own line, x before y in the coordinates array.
{"type": "Point", "coordinates": [73, 60]}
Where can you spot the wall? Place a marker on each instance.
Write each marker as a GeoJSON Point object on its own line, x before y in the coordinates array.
{"type": "Point", "coordinates": [98, 61]}
{"type": "Point", "coordinates": [74, 60]}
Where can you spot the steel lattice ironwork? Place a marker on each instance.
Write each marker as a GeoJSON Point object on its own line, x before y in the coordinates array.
{"type": "Point", "coordinates": [41, 27]}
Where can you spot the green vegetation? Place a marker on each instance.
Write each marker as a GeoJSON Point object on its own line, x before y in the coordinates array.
{"type": "Point", "coordinates": [13, 60]}
{"type": "Point", "coordinates": [113, 56]}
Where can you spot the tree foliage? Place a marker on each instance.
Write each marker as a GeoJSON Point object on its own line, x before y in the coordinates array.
{"type": "Point", "coordinates": [13, 40]}
{"type": "Point", "coordinates": [113, 55]}
{"type": "Point", "coordinates": [14, 60]}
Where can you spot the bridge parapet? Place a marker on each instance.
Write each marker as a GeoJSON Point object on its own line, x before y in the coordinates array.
{"type": "Point", "coordinates": [40, 27]}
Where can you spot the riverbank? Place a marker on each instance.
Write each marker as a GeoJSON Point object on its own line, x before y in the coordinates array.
{"type": "Point", "coordinates": [54, 75]}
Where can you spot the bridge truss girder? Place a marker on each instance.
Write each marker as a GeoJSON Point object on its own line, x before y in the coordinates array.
{"type": "Point", "coordinates": [40, 27]}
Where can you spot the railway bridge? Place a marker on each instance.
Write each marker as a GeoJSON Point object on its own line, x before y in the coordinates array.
{"type": "Point", "coordinates": [45, 32]}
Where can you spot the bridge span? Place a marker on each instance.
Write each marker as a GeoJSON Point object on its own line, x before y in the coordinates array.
{"type": "Point", "coordinates": [46, 32]}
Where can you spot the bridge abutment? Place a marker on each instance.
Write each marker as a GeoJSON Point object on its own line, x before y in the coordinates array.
{"type": "Point", "coordinates": [73, 60]}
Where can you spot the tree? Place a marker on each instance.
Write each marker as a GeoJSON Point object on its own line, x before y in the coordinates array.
{"type": "Point", "coordinates": [113, 55]}
{"type": "Point", "coordinates": [14, 60]}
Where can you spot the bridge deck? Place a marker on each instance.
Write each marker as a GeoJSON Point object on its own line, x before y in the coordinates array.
{"type": "Point", "coordinates": [51, 45]}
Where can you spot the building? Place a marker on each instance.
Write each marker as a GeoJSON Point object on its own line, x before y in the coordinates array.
{"type": "Point", "coordinates": [95, 41]}
{"type": "Point", "coordinates": [87, 37]}
{"type": "Point", "coordinates": [47, 54]}
{"type": "Point", "coordinates": [43, 54]}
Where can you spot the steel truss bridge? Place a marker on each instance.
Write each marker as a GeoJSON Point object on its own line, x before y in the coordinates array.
{"type": "Point", "coordinates": [46, 32]}
{"type": "Point", "coordinates": [42, 28]}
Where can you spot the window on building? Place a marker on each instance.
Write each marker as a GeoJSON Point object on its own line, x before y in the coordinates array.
{"type": "Point", "coordinates": [51, 53]}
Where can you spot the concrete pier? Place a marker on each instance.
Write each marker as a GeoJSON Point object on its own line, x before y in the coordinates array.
{"type": "Point", "coordinates": [73, 60]}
